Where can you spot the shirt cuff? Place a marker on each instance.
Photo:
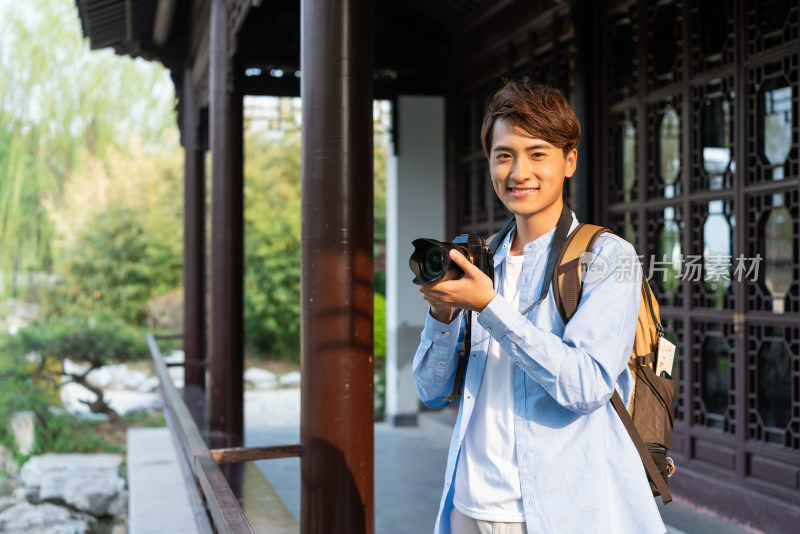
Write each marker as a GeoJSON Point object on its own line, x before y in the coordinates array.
{"type": "Point", "coordinates": [434, 330]}
{"type": "Point", "coordinates": [497, 316]}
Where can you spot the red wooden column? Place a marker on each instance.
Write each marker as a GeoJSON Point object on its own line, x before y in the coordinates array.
{"type": "Point", "coordinates": [194, 253]}
{"type": "Point", "coordinates": [226, 351]}
{"type": "Point", "coordinates": [336, 430]}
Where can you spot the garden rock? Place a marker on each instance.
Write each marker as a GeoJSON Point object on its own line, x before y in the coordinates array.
{"type": "Point", "coordinates": [22, 426]}
{"type": "Point", "coordinates": [74, 368]}
{"type": "Point", "coordinates": [261, 378]}
{"type": "Point", "coordinates": [8, 466]}
{"type": "Point", "coordinates": [27, 518]}
{"type": "Point", "coordinates": [149, 385]}
{"type": "Point", "coordinates": [8, 501]}
{"type": "Point", "coordinates": [90, 483]}
{"type": "Point", "coordinates": [290, 379]}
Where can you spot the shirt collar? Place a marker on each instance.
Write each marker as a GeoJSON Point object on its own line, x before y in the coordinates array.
{"type": "Point", "coordinates": [538, 245]}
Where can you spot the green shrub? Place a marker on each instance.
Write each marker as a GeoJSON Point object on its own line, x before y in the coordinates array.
{"type": "Point", "coordinates": [41, 348]}
{"type": "Point", "coordinates": [116, 265]}
{"type": "Point", "coordinates": [380, 332]}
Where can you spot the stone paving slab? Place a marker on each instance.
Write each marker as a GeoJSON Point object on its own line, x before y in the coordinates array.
{"type": "Point", "coordinates": [158, 499]}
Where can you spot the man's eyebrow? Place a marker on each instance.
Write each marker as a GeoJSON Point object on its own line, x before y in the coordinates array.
{"type": "Point", "coordinates": [539, 146]}
{"type": "Point", "coordinates": [501, 148]}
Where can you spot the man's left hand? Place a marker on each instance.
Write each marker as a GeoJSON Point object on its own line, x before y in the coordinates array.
{"type": "Point", "coordinates": [471, 292]}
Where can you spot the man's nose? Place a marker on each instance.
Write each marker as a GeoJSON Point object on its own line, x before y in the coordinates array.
{"type": "Point", "coordinates": [522, 169]}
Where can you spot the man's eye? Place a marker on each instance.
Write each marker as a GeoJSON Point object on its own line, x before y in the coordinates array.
{"type": "Point", "coordinates": [539, 154]}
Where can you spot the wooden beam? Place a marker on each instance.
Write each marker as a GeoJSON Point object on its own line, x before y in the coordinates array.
{"type": "Point", "coordinates": [249, 454]}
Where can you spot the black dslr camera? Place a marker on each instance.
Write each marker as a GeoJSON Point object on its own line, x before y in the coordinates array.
{"type": "Point", "coordinates": [431, 263]}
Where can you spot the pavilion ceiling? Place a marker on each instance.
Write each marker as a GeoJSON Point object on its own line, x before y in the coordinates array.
{"type": "Point", "coordinates": [414, 39]}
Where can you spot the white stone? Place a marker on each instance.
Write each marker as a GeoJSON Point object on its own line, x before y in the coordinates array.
{"type": "Point", "coordinates": [177, 356]}
{"type": "Point", "coordinates": [95, 492]}
{"type": "Point", "coordinates": [8, 501]}
{"type": "Point", "coordinates": [26, 518]}
{"type": "Point", "coordinates": [177, 374]}
{"type": "Point", "coordinates": [8, 465]}
{"type": "Point", "coordinates": [88, 482]}
{"type": "Point", "coordinates": [103, 376]}
{"type": "Point", "coordinates": [35, 468]}
{"type": "Point", "coordinates": [291, 379]}
{"type": "Point", "coordinates": [74, 368]}
{"type": "Point", "coordinates": [130, 379]}
{"type": "Point", "coordinates": [149, 385]}
{"type": "Point", "coordinates": [22, 426]}
{"type": "Point", "coordinates": [275, 408]}
{"type": "Point", "coordinates": [260, 378]}
{"type": "Point", "coordinates": [119, 506]}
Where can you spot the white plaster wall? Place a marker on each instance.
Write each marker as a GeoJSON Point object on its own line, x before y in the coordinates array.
{"type": "Point", "coordinates": [414, 208]}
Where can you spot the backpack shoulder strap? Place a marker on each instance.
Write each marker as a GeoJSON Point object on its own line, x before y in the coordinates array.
{"type": "Point", "coordinates": [570, 270]}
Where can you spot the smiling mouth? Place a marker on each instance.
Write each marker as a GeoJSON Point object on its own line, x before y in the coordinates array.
{"type": "Point", "coordinates": [522, 190]}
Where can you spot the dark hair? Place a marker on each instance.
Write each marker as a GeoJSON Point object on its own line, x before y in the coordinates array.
{"type": "Point", "coordinates": [539, 110]}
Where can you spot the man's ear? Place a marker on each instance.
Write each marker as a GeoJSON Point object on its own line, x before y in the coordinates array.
{"type": "Point", "coordinates": [571, 163]}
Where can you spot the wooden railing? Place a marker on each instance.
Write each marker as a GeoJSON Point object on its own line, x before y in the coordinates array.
{"type": "Point", "coordinates": [216, 507]}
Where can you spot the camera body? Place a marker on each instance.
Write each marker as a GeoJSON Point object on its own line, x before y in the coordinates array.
{"type": "Point", "coordinates": [430, 262]}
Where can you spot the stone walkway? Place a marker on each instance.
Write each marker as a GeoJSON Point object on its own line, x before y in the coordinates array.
{"type": "Point", "coordinates": [409, 469]}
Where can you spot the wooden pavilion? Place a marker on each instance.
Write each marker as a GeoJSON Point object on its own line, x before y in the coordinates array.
{"type": "Point", "coordinates": [690, 149]}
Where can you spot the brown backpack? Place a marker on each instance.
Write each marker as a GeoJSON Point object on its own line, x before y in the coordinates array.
{"type": "Point", "coordinates": [650, 417]}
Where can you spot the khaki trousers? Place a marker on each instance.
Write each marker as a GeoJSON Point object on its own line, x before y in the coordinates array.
{"type": "Point", "coordinates": [461, 524]}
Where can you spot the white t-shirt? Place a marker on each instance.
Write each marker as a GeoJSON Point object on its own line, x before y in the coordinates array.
{"type": "Point", "coordinates": [487, 477]}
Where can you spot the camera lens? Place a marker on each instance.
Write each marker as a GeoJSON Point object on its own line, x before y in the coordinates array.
{"type": "Point", "coordinates": [431, 264]}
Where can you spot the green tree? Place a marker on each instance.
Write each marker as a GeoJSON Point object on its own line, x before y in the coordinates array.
{"type": "Point", "coordinates": [59, 104]}
{"type": "Point", "coordinates": [95, 340]}
{"type": "Point", "coordinates": [272, 244]}
{"type": "Point", "coordinates": [120, 235]}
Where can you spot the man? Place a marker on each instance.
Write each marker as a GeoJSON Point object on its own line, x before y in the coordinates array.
{"type": "Point", "coordinates": [537, 446]}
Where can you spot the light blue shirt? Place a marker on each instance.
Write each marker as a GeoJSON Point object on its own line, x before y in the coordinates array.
{"type": "Point", "coordinates": [578, 468]}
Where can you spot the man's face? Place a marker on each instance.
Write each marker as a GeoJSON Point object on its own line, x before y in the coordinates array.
{"type": "Point", "coordinates": [528, 173]}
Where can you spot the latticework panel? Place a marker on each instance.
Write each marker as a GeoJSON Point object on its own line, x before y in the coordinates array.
{"type": "Point", "coordinates": [665, 55]}
{"type": "Point", "coordinates": [772, 242]}
{"type": "Point", "coordinates": [662, 264]}
{"type": "Point", "coordinates": [622, 76]}
{"type": "Point", "coordinates": [773, 385]}
{"type": "Point", "coordinates": [664, 155]}
{"type": "Point", "coordinates": [623, 185]}
{"type": "Point", "coordinates": [625, 225]}
{"type": "Point", "coordinates": [713, 371]}
{"type": "Point", "coordinates": [772, 121]}
{"type": "Point", "coordinates": [713, 150]}
{"type": "Point", "coordinates": [710, 265]}
{"type": "Point", "coordinates": [770, 23]}
{"type": "Point", "coordinates": [712, 35]}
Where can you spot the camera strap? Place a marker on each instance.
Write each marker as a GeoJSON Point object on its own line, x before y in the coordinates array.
{"type": "Point", "coordinates": [559, 238]}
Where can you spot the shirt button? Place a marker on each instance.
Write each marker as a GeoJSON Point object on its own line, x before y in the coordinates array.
{"type": "Point", "coordinates": [441, 364]}
{"type": "Point", "coordinates": [489, 329]}
{"type": "Point", "coordinates": [516, 361]}
{"type": "Point", "coordinates": [446, 333]}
